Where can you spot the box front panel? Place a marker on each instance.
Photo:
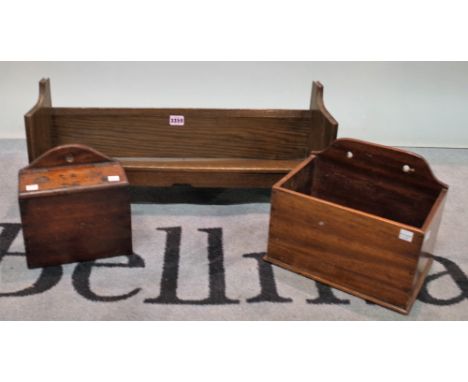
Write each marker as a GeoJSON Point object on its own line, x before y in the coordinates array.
{"type": "Point", "coordinates": [76, 227]}
{"type": "Point", "coordinates": [355, 252]}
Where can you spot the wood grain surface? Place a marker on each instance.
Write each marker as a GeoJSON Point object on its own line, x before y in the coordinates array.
{"type": "Point", "coordinates": [338, 218]}
{"type": "Point", "coordinates": [145, 138]}
{"type": "Point", "coordinates": [75, 212]}
{"type": "Point", "coordinates": [38, 122]}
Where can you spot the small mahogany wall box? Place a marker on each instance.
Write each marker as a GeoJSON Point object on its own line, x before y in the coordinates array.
{"type": "Point", "coordinates": [360, 217]}
{"type": "Point", "coordinates": [199, 147]}
{"type": "Point", "coordinates": [75, 206]}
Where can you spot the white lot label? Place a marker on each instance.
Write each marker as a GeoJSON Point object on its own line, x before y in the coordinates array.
{"type": "Point", "coordinates": [113, 178]}
{"type": "Point", "coordinates": [32, 187]}
{"type": "Point", "coordinates": [406, 235]}
{"type": "Point", "coordinates": [176, 120]}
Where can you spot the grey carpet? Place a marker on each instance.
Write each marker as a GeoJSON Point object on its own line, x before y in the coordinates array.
{"type": "Point", "coordinates": [240, 287]}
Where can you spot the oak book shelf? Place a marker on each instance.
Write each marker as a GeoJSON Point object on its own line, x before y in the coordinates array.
{"type": "Point", "coordinates": [197, 147]}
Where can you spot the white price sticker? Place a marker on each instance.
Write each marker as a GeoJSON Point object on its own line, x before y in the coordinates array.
{"type": "Point", "coordinates": [113, 178]}
{"type": "Point", "coordinates": [406, 235]}
{"type": "Point", "coordinates": [176, 120]}
{"type": "Point", "coordinates": [32, 187]}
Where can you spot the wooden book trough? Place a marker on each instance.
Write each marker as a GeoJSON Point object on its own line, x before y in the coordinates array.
{"type": "Point", "coordinates": [198, 147]}
{"type": "Point", "coordinates": [75, 206]}
{"type": "Point", "coordinates": [360, 217]}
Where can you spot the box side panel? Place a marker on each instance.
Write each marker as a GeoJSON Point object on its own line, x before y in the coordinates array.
{"type": "Point", "coordinates": [358, 253]}
{"type": "Point", "coordinates": [76, 227]}
{"type": "Point", "coordinates": [302, 180]}
{"type": "Point", "coordinates": [430, 236]}
{"type": "Point", "coordinates": [432, 227]}
{"type": "Point", "coordinates": [38, 132]}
